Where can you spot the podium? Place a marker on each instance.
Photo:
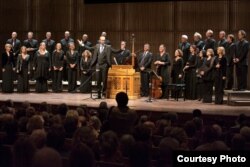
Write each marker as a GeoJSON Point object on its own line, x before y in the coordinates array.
{"type": "Point", "coordinates": [123, 78]}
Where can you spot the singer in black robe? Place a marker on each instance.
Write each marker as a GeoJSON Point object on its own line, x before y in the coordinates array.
{"type": "Point", "coordinates": [72, 59]}
{"type": "Point", "coordinates": [162, 71]}
{"type": "Point", "coordinates": [85, 66]}
{"type": "Point", "coordinates": [57, 64]}
{"type": "Point", "coordinates": [177, 71]}
{"type": "Point", "coordinates": [190, 77]}
{"type": "Point", "coordinates": [23, 71]}
{"type": "Point", "coordinates": [8, 66]}
{"type": "Point", "coordinates": [199, 81]}
{"type": "Point", "coordinates": [42, 68]}
{"type": "Point", "coordinates": [208, 79]}
{"type": "Point", "coordinates": [230, 54]}
{"type": "Point", "coordinates": [220, 78]}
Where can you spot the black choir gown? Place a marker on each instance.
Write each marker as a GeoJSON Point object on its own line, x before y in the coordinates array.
{"type": "Point", "coordinates": [177, 70]}
{"type": "Point", "coordinates": [219, 84]}
{"type": "Point", "coordinates": [162, 70]}
{"type": "Point", "coordinates": [72, 72]}
{"type": "Point", "coordinates": [57, 61]}
{"type": "Point", "coordinates": [208, 80]}
{"type": "Point", "coordinates": [190, 78]}
{"type": "Point", "coordinates": [85, 75]}
{"type": "Point", "coordinates": [8, 63]}
{"type": "Point", "coordinates": [23, 71]}
{"type": "Point", "coordinates": [199, 80]}
{"type": "Point", "coordinates": [41, 66]}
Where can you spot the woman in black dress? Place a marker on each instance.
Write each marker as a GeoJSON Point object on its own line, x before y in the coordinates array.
{"type": "Point", "coordinates": [72, 60]}
{"type": "Point", "coordinates": [42, 68]}
{"type": "Point", "coordinates": [190, 74]}
{"type": "Point", "coordinates": [177, 70]}
{"type": "Point", "coordinates": [85, 72]}
{"type": "Point", "coordinates": [199, 82]}
{"type": "Point", "coordinates": [207, 76]}
{"type": "Point", "coordinates": [57, 64]}
{"type": "Point", "coordinates": [23, 70]}
{"type": "Point", "coordinates": [162, 62]}
{"type": "Point", "coordinates": [8, 68]}
{"type": "Point", "coordinates": [220, 75]}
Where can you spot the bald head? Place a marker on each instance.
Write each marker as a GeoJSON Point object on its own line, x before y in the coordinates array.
{"type": "Point", "coordinates": [14, 35]}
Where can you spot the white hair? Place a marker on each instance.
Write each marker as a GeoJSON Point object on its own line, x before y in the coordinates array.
{"type": "Point", "coordinates": [184, 36]}
{"type": "Point", "coordinates": [196, 34]}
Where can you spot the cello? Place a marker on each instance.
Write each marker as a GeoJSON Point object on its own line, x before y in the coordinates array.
{"type": "Point", "coordinates": [156, 84]}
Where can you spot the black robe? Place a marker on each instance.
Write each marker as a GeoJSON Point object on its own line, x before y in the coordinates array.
{"type": "Point", "coordinates": [72, 72]}
{"type": "Point", "coordinates": [41, 66]}
{"type": "Point", "coordinates": [208, 80]}
{"type": "Point", "coordinates": [8, 63]}
{"type": "Point", "coordinates": [23, 71]}
{"type": "Point", "coordinates": [185, 47]}
{"type": "Point", "coordinates": [210, 43]}
{"type": "Point", "coordinates": [57, 61]}
{"type": "Point", "coordinates": [230, 55]}
{"type": "Point", "coordinates": [177, 70]}
{"type": "Point", "coordinates": [199, 81]}
{"type": "Point", "coordinates": [219, 84]}
{"type": "Point", "coordinates": [190, 78]}
{"type": "Point", "coordinates": [85, 75]}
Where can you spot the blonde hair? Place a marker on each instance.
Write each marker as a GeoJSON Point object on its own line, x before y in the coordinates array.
{"type": "Point", "coordinates": [7, 45]}
{"type": "Point", "coordinates": [23, 47]}
{"type": "Point", "coordinates": [221, 50]}
{"type": "Point", "coordinates": [180, 52]}
{"type": "Point", "coordinates": [86, 52]}
{"type": "Point", "coordinates": [211, 51]}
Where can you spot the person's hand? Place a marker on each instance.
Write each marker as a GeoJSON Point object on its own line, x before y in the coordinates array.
{"type": "Point", "coordinates": [49, 69]}
{"type": "Point", "coordinates": [180, 76]}
{"type": "Point", "coordinates": [133, 54]}
{"type": "Point", "coordinates": [217, 66]}
{"type": "Point", "coordinates": [54, 68]}
{"type": "Point", "coordinates": [28, 72]}
{"type": "Point", "coordinates": [34, 68]}
{"type": "Point", "coordinates": [236, 60]}
{"type": "Point", "coordinates": [60, 69]}
{"type": "Point", "coordinates": [80, 42]}
{"type": "Point", "coordinates": [142, 68]}
{"type": "Point", "coordinates": [3, 69]}
{"type": "Point", "coordinates": [202, 72]}
{"type": "Point", "coordinates": [156, 62]}
{"type": "Point", "coordinates": [224, 78]}
{"type": "Point", "coordinates": [14, 69]}
{"type": "Point", "coordinates": [84, 72]}
{"type": "Point", "coordinates": [17, 71]}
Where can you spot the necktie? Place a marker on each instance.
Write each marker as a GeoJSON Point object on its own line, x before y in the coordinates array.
{"type": "Point", "coordinates": [13, 44]}
{"type": "Point", "coordinates": [101, 48]}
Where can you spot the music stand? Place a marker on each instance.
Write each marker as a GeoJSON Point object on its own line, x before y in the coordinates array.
{"type": "Point", "coordinates": [86, 81]}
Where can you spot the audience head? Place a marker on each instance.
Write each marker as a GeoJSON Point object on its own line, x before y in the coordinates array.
{"type": "Point", "coordinates": [197, 113]}
{"type": "Point", "coordinates": [126, 143]}
{"type": "Point", "coordinates": [23, 152]}
{"type": "Point", "coordinates": [62, 109]}
{"type": "Point", "coordinates": [81, 155]}
{"type": "Point", "coordinates": [238, 142]}
{"type": "Point", "coordinates": [38, 137]}
{"type": "Point", "coordinates": [55, 137]}
{"type": "Point", "coordinates": [140, 155]}
{"type": "Point", "coordinates": [142, 133]}
{"type": "Point", "coordinates": [35, 122]}
{"type": "Point", "coordinates": [109, 143]}
{"type": "Point", "coordinates": [122, 99]}
{"type": "Point", "coordinates": [245, 132]}
{"type": "Point", "coordinates": [84, 135]}
{"type": "Point", "coordinates": [47, 157]}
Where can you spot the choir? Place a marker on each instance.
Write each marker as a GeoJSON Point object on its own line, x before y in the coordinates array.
{"type": "Point", "coordinates": [201, 65]}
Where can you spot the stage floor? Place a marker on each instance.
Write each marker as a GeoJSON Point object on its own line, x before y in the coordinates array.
{"type": "Point", "coordinates": [76, 99]}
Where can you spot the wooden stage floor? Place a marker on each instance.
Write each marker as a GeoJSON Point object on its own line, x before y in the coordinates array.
{"type": "Point", "coordinates": [158, 105]}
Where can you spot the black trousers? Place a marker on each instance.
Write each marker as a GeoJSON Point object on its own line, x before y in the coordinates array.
{"type": "Point", "coordinates": [199, 87]}
{"type": "Point", "coordinates": [219, 90]}
{"type": "Point", "coordinates": [230, 77]}
{"type": "Point", "coordinates": [72, 73]}
{"type": "Point", "coordinates": [57, 81]}
{"type": "Point", "coordinates": [208, 91]}
{"type": "Point", "coordinates": [101, 77]}
{"type": "Point", "coordinates": [145, 83]}
{"type": "Point", "coordinates": [241, 72]}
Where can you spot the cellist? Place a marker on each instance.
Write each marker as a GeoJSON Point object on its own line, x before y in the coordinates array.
{"type": "Point", "coordinates": [162, 62]}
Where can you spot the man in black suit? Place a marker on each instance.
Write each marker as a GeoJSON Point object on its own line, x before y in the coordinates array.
{"type": "Point", "coordinates": [144, 63]}
{"type": "Point", "coordinates": [122, 58]}
{"type": "Point", "coordinates": [101, 60]}
{"type": "Point", "coordinates": [210, 42]}
{"type": "Point", "coordinates": [85, 41]}
{"type": "Point", "coordinates": [241, 60]}
{"type": "Point", "coordinates": [32, 46]}
{"type": "Point", "coordinates": [50, 43]}
{"type": "Point", "coordinates": [184, 45]}
{"type": "Point", "coordinates": [107, 42]}
{"type": "Point", "coordinates": [65, 47]}
{"type": "Point", "coordinates": [230, 55]}
{"type": "Point", "coordinates": [198, 41]}
{"type": "Point", "coordinates": [222, 39]}
{"type": "Point", "coordinates": [16, 44]}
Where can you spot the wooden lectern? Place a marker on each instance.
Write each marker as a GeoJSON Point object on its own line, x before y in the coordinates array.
{"type": "Point", "coordinates": [124, 78]}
